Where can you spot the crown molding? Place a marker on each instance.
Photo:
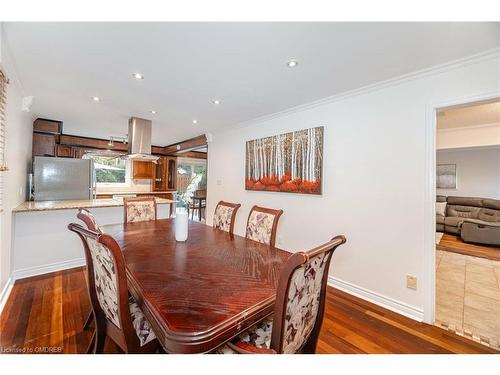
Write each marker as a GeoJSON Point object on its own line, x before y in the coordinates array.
{"type": "Point", "coordinates": [469, 127]}
{"type": "Point", "coordinates": [434, 70]}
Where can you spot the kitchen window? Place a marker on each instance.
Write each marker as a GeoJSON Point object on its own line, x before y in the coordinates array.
{"type": "Point", "coordinates": [110, 170]}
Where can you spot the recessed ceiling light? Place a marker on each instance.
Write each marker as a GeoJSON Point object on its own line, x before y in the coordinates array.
{"type": "Point", "coordinates": [96, 99]}
{"type": "Point", "coordinates": [216, 102]}
{"type": "Point", "coordinates": [138, 76]}
{"type": "Point", "coordinates": [153, 112]}
{"type": "Point", "coordinates": [195, 121]}
{"type": "Point", "coordinates": [292, 63]}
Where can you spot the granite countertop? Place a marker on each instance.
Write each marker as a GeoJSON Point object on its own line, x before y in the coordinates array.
{"type": "Point", "coordinates": [73, 204]}
{"type": "Point", "coordinates": [134, 192]}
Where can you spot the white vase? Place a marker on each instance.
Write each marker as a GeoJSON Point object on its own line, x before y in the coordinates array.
{"type": "Point", "coordinates": [181, 226]}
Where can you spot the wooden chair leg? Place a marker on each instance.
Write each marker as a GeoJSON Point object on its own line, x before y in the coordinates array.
{"type": "Point", "coordinates": [89, 320]}
{"type": "Point", "coordinates": [91, 347]}
{"type": "Point", "coordinates": [309, 347]}
{"type": "Point", "coordinates": [100, 338]}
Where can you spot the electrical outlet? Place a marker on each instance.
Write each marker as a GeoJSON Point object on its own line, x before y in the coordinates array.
{"type": "Point", "coordinates": [219, 182]}
{"type": "Point", "coordinates": [411, 282]}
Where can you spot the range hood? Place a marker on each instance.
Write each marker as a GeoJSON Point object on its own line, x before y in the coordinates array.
{"type": "Point", "coordinates": [139, 140]}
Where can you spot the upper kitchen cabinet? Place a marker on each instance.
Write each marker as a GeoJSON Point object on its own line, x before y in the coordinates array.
{"type": "Point", "coordinates": [160, 174]}
{"type": "Point", "coordinates": [45, 137]}
{"type": "Point", "coordinates": [142, 169]}
{"type": "Point", "coordinates": [171, 173]}
{"type": "Point", "coordinates": [165, 174]}
{"type": "Point", "coordinates": [63, 151]}
{"type": "Point", "coordinates": [44, 144]}
{"type": "Point", "coordinates": [41, 125]}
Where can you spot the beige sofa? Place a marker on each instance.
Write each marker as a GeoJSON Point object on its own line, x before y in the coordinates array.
{"type": "Point", "coordinates": [474, 219]}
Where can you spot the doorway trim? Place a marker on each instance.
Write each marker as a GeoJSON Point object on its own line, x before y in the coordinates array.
{"type": "Point", "coordinates": [429, 240]}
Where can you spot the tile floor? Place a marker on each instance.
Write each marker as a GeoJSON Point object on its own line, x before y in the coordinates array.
{"type": "Point", "coordinates": [468, 296]}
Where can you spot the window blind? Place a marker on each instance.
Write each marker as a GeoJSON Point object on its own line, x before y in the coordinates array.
{"type": "Point", "coordinates": [3, 102]}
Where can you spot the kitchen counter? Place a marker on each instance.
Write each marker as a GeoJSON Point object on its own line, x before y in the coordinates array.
{"type": "Point", "coordinates": [73, 204]}
{"type": "Point", "coordinates": [135, 192]}
{"type": "Point", "coordinates": [42, 242]}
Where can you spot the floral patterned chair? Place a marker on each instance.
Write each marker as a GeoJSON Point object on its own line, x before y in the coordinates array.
{"type": "Point", "coordinates": [139, 209]}
{"type": "Point", "coordinates": [262, 224]}
{"type": "Point", "coordinates": [117, 315]}
{"type": "Point", "coordinates": [224, 215]}
{"type": "Point", "coordinates": [299, 308]}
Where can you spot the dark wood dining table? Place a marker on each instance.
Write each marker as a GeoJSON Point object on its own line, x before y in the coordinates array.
{"type": "Point", "coordinates": [200, 293]}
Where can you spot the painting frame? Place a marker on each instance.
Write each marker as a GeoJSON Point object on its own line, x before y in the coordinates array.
{"type": "Point", "coordinates": [290, 162]}
{"type": "Point", "coordinates": [446, 176]}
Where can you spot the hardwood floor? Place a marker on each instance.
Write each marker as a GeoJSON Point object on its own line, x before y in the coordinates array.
{"type": "Point", "coordinates": [47, 313]}
{"type": "Point", "coordinates": [454, 244]}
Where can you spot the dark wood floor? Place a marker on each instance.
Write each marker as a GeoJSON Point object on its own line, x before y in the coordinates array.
{"type": "Point", "coordinates": [454, 244]}
{"type": "Point", "coordinates": [49, 312]}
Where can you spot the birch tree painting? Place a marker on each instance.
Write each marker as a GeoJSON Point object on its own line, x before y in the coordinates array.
{"type": "Point", "coordinates": [290, 162]}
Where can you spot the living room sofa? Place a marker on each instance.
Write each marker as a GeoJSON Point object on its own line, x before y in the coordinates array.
{"type": "Point", "coordinates": [482, 216]}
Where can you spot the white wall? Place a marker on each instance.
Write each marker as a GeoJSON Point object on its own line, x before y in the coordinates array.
{"type": "Point", "coordinates": [18, 156]}
{"type": "Point", "coordinates": [478, 171]}
{"type": "Point", "coordinates": [374, 181]}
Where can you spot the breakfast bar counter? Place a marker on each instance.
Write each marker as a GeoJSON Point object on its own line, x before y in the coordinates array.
{"type": "Point", "coordinates": [41, 240]}
{"type": "Point", "coordinates": [74, 204]}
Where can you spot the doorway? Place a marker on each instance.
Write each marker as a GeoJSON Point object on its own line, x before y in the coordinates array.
{"type": "Point", "coordinates": [467, 220]}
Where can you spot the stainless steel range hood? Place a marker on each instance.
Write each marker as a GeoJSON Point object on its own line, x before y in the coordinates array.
{"type": "Point", "coordinates": [139, 140]}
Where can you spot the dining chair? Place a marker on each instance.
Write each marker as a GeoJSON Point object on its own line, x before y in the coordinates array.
{"type": "Point", "coordinates": [89, 220]}
{"type": "Point", "coordinates": [262, 224]}
{"type": "Point", "coordinates": [224, 215]}
{"type": "Point", "coordinates": [139, 209]}
{"type": "Point", "coordinates": [298, 312]}
{"type": "Point", "coordinates": [117, 315]}
{"type": "Point", "coordinates": [194, 205]}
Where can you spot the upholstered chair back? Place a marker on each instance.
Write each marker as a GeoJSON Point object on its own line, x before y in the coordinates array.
{"type": "Point", "coordinates": [116, 313]}
{"type": "Point", "coordinates": [301, 299]}
{"type": "Point", "coordinates": [224, 215]}
{"type": "Point", "coordinates": [139, 209]}
{"type": "Point", "coordinates": [102, 273]}
{"type": "Point", "coordinates": [262, 224]}
{"type": "Point", "coordinates": [89, 219]}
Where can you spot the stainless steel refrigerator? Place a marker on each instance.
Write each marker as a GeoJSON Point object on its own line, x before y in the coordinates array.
{"type": "Point", "coordinates": [57, 179]}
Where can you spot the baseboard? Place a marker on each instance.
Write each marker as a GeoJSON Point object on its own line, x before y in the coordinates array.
{"type": "Point", "coordinates": [378, 299]}
{"type": "Point", "coordinates": [48, 268]}
{"type": "Point", "coordinates": [4, 295]}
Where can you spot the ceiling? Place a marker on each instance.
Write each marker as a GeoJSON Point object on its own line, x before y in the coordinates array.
{"type": "Point", "coordinates": [188, 65]}
{"type": "Point", "coordinates": [476, 114]}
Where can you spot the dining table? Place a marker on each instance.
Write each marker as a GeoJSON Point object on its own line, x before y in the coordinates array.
{"type": "Point", "coordinates": [198, 294]}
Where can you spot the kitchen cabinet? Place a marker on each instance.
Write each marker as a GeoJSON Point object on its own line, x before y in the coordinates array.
{"type": "Point", "coordinates": [171, 173]}
{"type": "Point", "coordinates": [165, 174]}
{"type": "Point", "coordinates": [64, 151]}
{"type": "Point", "coordinates": [44, 144]}
{"type": "Point", "coordinates": [160, 174]}
{"type": "Point", "coordinates": [142, 169]}
{"type": "Point", "coordinates": [41, 125]}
